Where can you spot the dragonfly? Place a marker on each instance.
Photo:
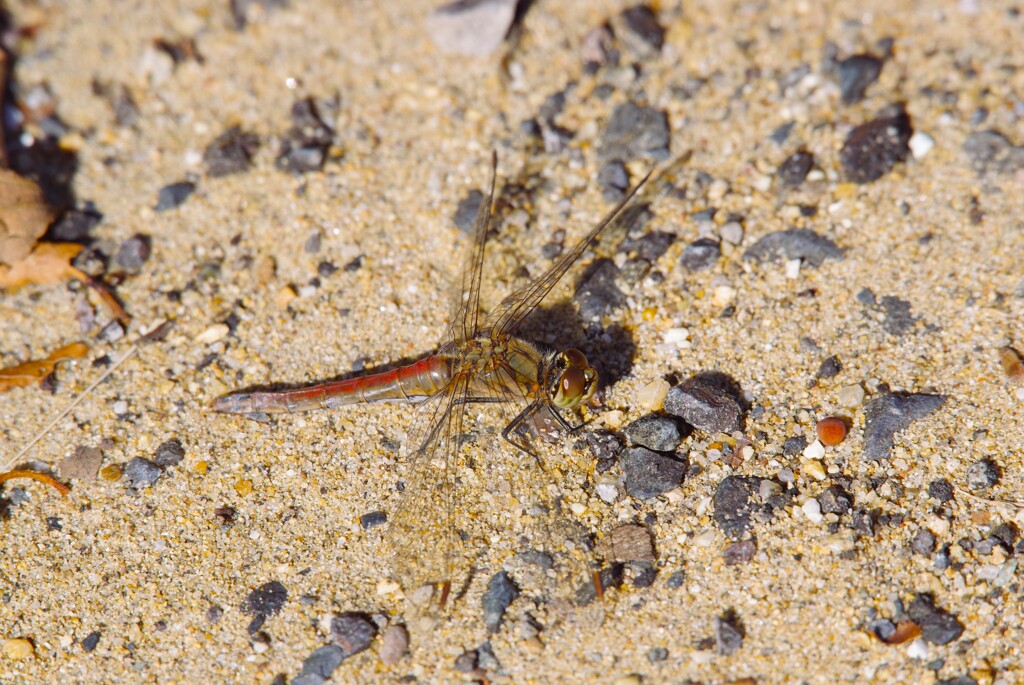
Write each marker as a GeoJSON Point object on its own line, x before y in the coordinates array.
{"type": "Point", "coordinates": [480, 360]}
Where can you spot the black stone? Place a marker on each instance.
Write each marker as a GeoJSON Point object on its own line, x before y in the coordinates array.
{"type": "Point", "coordinates": [796, 243]}
{"type": "Point", "coordinates": [873, 148]}
{"type": "Point", "coordinates": [937, 626]}
{"type": "Point", "coordinates": [701, 254]}
{"type": "Point", "coordinates": [353, 632]}
{"type": "Point", "coordinates": [169, 453]}
{"type": "Point", "coordinates": [304, 148]}
{"type": "Point", "coordinates": [373, 519]}
{"type": "Point", "coordinates": [835, 500]}
{"type": "Point", "coordinates": [795, 168]}
{"type": "Point", "coordinates": [856, 73]}
{"type": "Point", "coordinates": [794, 445]}
{"type": "Point", "coordinates": [643, 35]}
{"type": "Point", "coordinates": [174, 195]}
{"type": "Point", "coordinates": [649, 474]}
{"type": "Point", "coordinates": [897, 317]}
{"type": "Point", "coordinates": [90, 641]}
{"type": "Point", "coordinates": [830, 367]}
{"type": "Point", "coordinates": [501, 592]}
{"type": "Point", "coordinates": [887, 414]}
{"type": "Point", "coordinates": [133, 252]}
{"type": "Point", "coordinates": [659, 433]}
{"type": "Point", "coordinates": [264, 602]}
{"type": "Point", "coordinates": [76, 225]}
{"type": "Point", "coordinates": [231, 152]}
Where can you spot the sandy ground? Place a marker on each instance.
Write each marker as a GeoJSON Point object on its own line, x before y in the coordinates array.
{"type": "Point", "coordinates": [414, 130]}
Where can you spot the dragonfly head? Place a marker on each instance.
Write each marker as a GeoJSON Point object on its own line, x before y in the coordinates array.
{"type": "Point", "coordinates": [573, 380]}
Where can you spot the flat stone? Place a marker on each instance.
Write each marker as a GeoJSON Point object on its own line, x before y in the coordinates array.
{"type": "Point", "coordinates": [888, 414]}
{"type": "Point", "coordinates": [937, 626]}
{"type": "Point", "coordinates": [649, 474]}
{"type": "Point", "coordinates": [353, 631]}
{"type": "Point", "coordinates": [797, 243]}
{"type": "Point", "coordinates": [501, 592]}
{"type": "Point", "coordinates": [475, 28]}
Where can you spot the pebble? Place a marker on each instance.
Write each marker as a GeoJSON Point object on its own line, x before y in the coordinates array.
{"type": "Point", "coordinates": [813, 467]}
{"type": "Point", "coordinates": [501, 592]}
{"type": "Point", "coordinates": [850, 396]}
{"type": "Point", "coordinates": [605, 446]}
{"type": "Point", "coordinates": [467, 209]}
{"type": "Point", "coordinates": [835, 500]}
{"type": "Point", "coordinates": [76, 224]}
{"type": "Point", "coordinates": [173, 195]}
{"type": "Point", "coordinates": [627, 542]}
{"type": "Point", "coordinates": [896, 316]}
{"type": "Point", "coordinates": [794, 445]}
{"type": "Point", "coordinates": [353, 632]}
{"type": "Point", "coordinates": [134, 252]}
{"type": "Point", "coordinates": [920, 144]}
{"type": "Point", "coordinates": [264, 602]}
{"type": "Point", "coordinates": [90, 641]}
{"type": "Point", "coordinates": [659, 433]}
{"type": "Point", "coordinates": [474, 29]}
{"type": "Point", "coordinates": [649, 474]}
{"type": "Point", "coordinates": [731, 232]}
{"type": "Point", "coordinates": [598, 294]}
{"type": "Point", "coordinates": [231, 152]}
{"type": "Point", "coordinates": [678, 337]}
{"type": "Point", "coordinates": [639, 32]}
{"type": "Point", "coordinates": [794, 169]}
{"type": "Point", "coordinates": [83, 464]}
{"type": "Point", "coordinates": [1012, 363]}
{"type": "Point", "coordinates": [831, 430]}
{"type": "Point", "coordinates": [285, 296]}
{"type": "Point", "coordinates": [704, 405]}
{"type": "Point", "coordinates": [212, 334]}
{"type": "Point", "coordinates": [829, 368]}
{"type": "Point", "coordinates": [111, 472]}
{"type": "Point", "coordinates": [141, 473]}
{"type": "Point", "coordinates": [873, 148]}
{"type": "Point", "coordinates": [700, 255]}
{"type": "Point", "coordinates": [613, 180]}
{"type": "Point", "coordinates": [634, 131]}
{"type": "Point", "coordinates": [652, 396]}
{"type": "Point", "coordinates": [738, 498]}
{"type": "Point", "coordinates": [466, 662]}
{"type": "Point", "coordinates": [169, 453]}
{"type": "Point", "coordinates": [373, 519]}
{"type": "Point", "coordinates": [607, 492]}
{"type": "Point", "coordinates": [739, 552]}
{"type": "Point", "coordinates": [323, 661]}
{"type": "Point", "coordinates": [796, 243]}
{"type": "Point", "coordinates": [941, 490]}
{"type": "Point", "coordinates": [923, 542]}
{"type": "Point", "coordinates": [394, 644]}
{"type": "Point", "coordinates": [887, 414]}
{"type": "Point", "coordinates": [983, 474]}
{"type": "Point", "coordinates": [728, 634]}
{"type": "Point", "coordinates": [305, 146]}
{"type": "Point", "coordinates": [812, 510]}
{"type": "Point", "coordinates": [18, 648]}
{"type": "Point", "coordinates": [855, 74]}
{"type": "Point", "coordinates": [992, 151]}
{"type": "Point", "coordinates": [937, 626]}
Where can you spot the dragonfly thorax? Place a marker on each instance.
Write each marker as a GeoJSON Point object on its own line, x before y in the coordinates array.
{"type": "Point", "coordinates": [572, 380]}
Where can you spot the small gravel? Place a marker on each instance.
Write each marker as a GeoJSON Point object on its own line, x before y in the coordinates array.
{"type": "Point", "coordinates": [598, 294]}
{"type": "Point", "coordinates": [633, 132]}
{"type": "Point", "coordinates": [705, 405]}
{"type": "Point", "coordinates": [835, 500]}
{"type": "Point", "coordinates": [794, 169]}
{"type": "Point", "coordinates": [659, 433]}
{"type": "Point", "coordinates": [873, 148]}
{"type": "Point", "coordinates": [855, 74]}
{"type": "Point", "coordinates": [90, 641]}
{"type": "Point", "coordinates": [886, 415]}
{"type": "Point", "coordinates": [649, 474]}
{"type": "Point", "coordinates": [353, 632]}
{"type": "Point", "coordinates": [231, 152]}
{"type": "Point", "coordinates": [501, 592]}
{"type": "Point", "coordinates": [983, 474]}
{"type": "Point", "coordinates": [829, 368]}
{"type": "Point", "coordinates": [169, 453]}
{"type": "Point", "coordinates": [613, 179]}
{"type": "Point", "coordinates": [173, 195]}
{"type": "Point", "coordinates": [373, 519]}
{"type": "Point", "coordinates": [323, 661]}
{"type": "Point", "coordinates": [264, 602]}
{"type": "Point", "coordinates": [739, 552]}
{"type": "Point", "coordinates": [134, 252]}
{"type": "Point", "coordinates": [474, 29]}
{"type": "Point", "coordinates": [394, 644]}
{"type": "Point", "coordinates": [937, 626]}
{"type": "Point", "coordinates": [737, 500]}
{"type": "Point", "coordinates": [798, 243]}
{"type": "Point", "coordinates": [701, 255]}
{"type": "Point", "coordinates": [639, 32]}
{"type": "Point", "coordinates": [941, 490]}
{"type": "Point", "coordinates": [992, 151]}
{"type": "Point", "coordinates": [923, 542]}
{"type": "Point", "coordinates": [140, 473]}
{"type": "Point", "coordinates": [728, 634]}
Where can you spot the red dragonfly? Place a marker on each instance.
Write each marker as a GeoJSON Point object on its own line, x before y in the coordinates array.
{"type": "Point", "coordinates": [480, 361]}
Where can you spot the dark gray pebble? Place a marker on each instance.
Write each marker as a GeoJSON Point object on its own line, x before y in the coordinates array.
{"type": "Point", "coordinates": [737, 500]}
{"type": "Point", "coordinates": [634, 131]}
{"type": "Point", "coordinates": [613, 180]}
{"type": "Point", "coordinates": [728, 634]}
{"type": "Point", "coordinates": [133, 252]}
{"type": "Point", "coordinates": [830, 367]}
{"type": "Point", "coordinates": [705, 406]}
{"type": "Point", "coordinates": [657, 654]}
{"type": "Point", "coordinates": [701, 254]}
{"type": "Point", "coordinates": [675, 580]}
{"type": "Point", "coordinates": [649, 474]}
{"type": "Point", "coordinates": [169, 453]}
{"type": "Point", "coordinates": [639, 32]}
{"type": "Point", "coordinates": [231, 152]}
{"type": "Point", "coordinates": [264, 602]}
{"type": "Point", "coordinates": [323, 661]}
{"type": "Point", "coordinates": [795, 168]}
{"type": "Point", "coordinates": [598, 294]}
{"type": "Point", "coordinates": [659, 433]}
{"type": "Point", "coordinates": [501, 592]}
{"type": "Point", "coordinates": [90, 641]}
{"type": "Point", "coordinates": [466, 662]}
{"type": "Point", "coordinates": [325, 269]}
{"type": "Point", "coordinates": [866, 297]}
{"type": "Point", "coordinates": [486, 659]}
{"type": "Point", "coordinates": [739, 552]}
{"type": "Point", "coordinates": [796, 243]}
{"type": "Point", "coordinates": [887, 414]}
{"type": "Point", "coordinates": [353, 632]}
{"type": "Point", "coordinates": [781, 132]}
{"type": "Point", "coordinates": [174, 195]}
{"type": "Point", "coordinates": [373, 519]}
{"type": "Point", "coordinates": [304, 148]}
{"type": "Point", "coordinates": [141, 473]}
{"type": "Point", "coordinates": [214, 613]}
{"type": "Point", "coordinates": [305, 679]}
{"type": "Point", "coordinates": [964, 679]}
{"type": "Point", "coordinates": [794, 445]}
{"type": "Point", "coordinates": [923, 542]}
{"type": "Point", "coordinates": [940, 489]}
{"type": "Point", "coordinates": [644, 574]}
{"type": "Point", "coordinates": [873, 148]}
{"type": "Point", "coordinates": [856, 73]}
{"type": "Point", "coordinates": [897, 318]}
{"type": "Point", "coordinates": [983, 474]}
{"type": "Point", "coordinates": [992, 151]}
{"type": "Point", "coordinates": [605, 446]}
{"type": "Point", "coordinates": [465, 213]}
{"type": "Point", "coordinates": [75, 225]}
{"type": "Point", "coordinates": [835, 500]}
{"type": "Point", "coordinates": [937, 626]}
{"type": "Point", "coordinates": [648, 247]}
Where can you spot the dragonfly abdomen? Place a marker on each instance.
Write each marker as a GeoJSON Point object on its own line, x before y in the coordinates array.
{"type": "Point", "coordinates": [410, 383]}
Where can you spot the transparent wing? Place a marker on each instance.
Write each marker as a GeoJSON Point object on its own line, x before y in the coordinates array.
{"type": "Point", "coordinates": [466, 308]}
{"type": "Point", "coordinates": [517, 306]}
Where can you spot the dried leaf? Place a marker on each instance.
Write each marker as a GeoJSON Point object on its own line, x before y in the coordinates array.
{"type": "Point", "coordinates": [24, 216]}
{"type": "Point", "coordinates": [31, 371]}
{"type": "Point", "coordinates": [48, 263]}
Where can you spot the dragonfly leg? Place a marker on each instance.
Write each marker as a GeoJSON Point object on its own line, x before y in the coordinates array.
{"type": "Point", "coordinates": [508, 430]}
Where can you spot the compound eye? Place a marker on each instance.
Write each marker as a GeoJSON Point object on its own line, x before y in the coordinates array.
{"type": "Point", "coordinates": [573, 357]}
{"type": "Point", "coordinates": [571, 387]}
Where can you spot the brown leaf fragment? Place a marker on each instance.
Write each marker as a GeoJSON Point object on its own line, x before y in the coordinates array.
{"type": "Point", "coordinates": [31, 371]}
{"type": "Point", "coordinates": [1013, 367]}
{"type": "Point", "coordinates": [24, 216]}
{"type": "Point", "coordinates": [47, 264]}
{"type": "Point", "coordinates": [628, 542]}
{"type": "Point", "coordinates": [83, 464]}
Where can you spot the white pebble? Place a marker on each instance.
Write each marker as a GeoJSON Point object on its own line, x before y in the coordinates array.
{"type": "Point", "coordinates": [652, 396]}
{"type": "Point", "coordinates": [850, 396]}
{"type": "Point", "coordinates": [920, 144]}
{"type": "Point", "coordinates": [705, 539]}
{"type": "Point", "coordinates": [120, 407]}
{"type": "Point", "coordinates": [723, 295]}
{"type": "Point", "coordinates": [814, 450]}
{"type": "Point", "coordinates": [676, 336]}
{"type": "Point", "coordinates": [812, 510]}
{"type": "Point", "coordinates": [731, 232]}
{"type": "Point", "coordinates": [213, 334]}
{"type": "Point", "coordinates": [918, 649]}
{"type": "Point", "coordinates": [793, 268]}
{"type": "Point", "coordinates": [607, 492]}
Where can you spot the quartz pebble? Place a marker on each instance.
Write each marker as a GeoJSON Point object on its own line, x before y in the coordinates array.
{"type": "Point", "coordinates": [18, 648]}
{"type": "Point", "coordinates": [652, 396]}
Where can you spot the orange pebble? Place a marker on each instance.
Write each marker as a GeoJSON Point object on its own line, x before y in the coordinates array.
{"type": "Point", "coordinates": [831, 430]}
